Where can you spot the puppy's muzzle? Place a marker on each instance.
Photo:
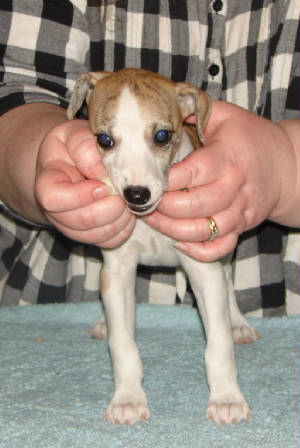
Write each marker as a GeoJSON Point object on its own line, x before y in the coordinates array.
{"type": "Point", "coordinates": [137, 198]}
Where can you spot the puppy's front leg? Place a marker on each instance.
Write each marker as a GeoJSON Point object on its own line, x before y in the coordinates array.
{"type": "Point", "coordinates": [208, 280]}
{"type": "Point", "coordinates": [129, 403]}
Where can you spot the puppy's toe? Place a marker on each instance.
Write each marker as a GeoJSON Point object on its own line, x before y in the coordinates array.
{"type": "Point", "coordinates": [244, 335]}
{"type": "Point", "coordinates": [99, 330]}
{"type": "Point", "coordinates": [225, 413]}
{"type": "Point", "coordinates": [126, 413]}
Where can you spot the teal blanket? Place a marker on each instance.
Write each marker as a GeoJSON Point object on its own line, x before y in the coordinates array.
{"type": "Point", "coordinates": [56, 382]}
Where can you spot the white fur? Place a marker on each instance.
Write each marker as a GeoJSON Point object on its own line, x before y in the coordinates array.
{"type": "Point", "coordinates": [132, 162]}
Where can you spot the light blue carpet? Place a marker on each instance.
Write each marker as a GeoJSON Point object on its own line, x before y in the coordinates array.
{"type": "Point", "coordinates": [54, 392]}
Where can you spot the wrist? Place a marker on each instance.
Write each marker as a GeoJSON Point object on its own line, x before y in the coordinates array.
{"type": "Point", "coordinates": [22, 131]}
{"type": "Point", "coordinates": [286, 210]}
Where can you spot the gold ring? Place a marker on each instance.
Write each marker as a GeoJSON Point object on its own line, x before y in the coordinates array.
{"type": "Point", "coordinates": [214, 231]}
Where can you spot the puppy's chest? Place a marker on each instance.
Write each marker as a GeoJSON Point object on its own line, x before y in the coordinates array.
{"type": "Point", "coordinates": [150, 247]}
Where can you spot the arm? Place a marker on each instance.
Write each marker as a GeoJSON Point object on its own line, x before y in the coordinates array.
{"type": "Point", "coordinates": [50, 167]}
{"type": "Point", "coordinates": [49, 171]}
{"type": "Point", "coordinates": [286, 211]}
{"type": "Point", "coordinates": [21, 132]}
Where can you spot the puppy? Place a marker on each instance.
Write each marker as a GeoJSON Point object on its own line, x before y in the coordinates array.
{"type": "Point", "coordinates": [137, 117]}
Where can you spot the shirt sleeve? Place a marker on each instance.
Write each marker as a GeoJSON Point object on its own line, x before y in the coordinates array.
{"type": "Point", "coordinates": [44, 47]}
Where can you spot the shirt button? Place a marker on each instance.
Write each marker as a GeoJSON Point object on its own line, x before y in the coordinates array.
{"type": "Point", "coordinates": [214, 69]}
{"type": "Point", "coordinates": [218, 5]}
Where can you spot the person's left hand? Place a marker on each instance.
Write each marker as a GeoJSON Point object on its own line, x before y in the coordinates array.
{"type": "Point", "coordinates": [70, 188]}
{"type": "Point", "coordinates": [238, 178]}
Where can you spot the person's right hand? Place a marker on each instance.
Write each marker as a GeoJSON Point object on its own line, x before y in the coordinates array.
{"type": "Point", "coordinates": [69, 190]}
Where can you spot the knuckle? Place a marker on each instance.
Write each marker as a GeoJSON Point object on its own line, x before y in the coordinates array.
{"type": "Point", "coordinates": [120, 229]}
{"type": "Point", "coordinates": [195, 172]}
{"type": "Point", "coordinates": [202, 230]}
{"type": "Point", "coordinates": [241, 226]}
{"type": "Point", "coordinates": [81, 143]}
{"type": "Point", "coordinates": [119, 238]}
{"type": "Point", "coordinates": [109, 231]}
{"type": "Point", "coordinates": [87, 219]}
{"type": "Point", "coordinates": [231, 244]}
{"type": "Point", "coordinates": [195, 203]}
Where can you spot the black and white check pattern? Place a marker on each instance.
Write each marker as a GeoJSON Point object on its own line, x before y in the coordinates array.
{"type": "Point", "coordinates": [245, 52]}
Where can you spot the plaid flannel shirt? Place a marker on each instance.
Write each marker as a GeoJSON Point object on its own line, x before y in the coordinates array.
{"type": "Point", "coordinates": [245, 52]}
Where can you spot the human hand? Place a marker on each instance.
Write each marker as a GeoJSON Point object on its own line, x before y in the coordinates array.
{"type": "Point", "coordinates": [69, 190]}
{"type": "Point", "coordinates": [238, 177]}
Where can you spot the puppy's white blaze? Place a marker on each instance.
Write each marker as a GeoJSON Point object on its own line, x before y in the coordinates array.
{"type": "Point", "coordinates": [133, 163]}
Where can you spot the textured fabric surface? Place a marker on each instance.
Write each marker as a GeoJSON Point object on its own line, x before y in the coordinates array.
{"type": "Point", "coordinates": [56, 382]}
{"type": "Point", "coordinates": [245, 52]}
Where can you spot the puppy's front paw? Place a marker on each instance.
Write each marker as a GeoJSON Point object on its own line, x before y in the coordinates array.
{"type": "Point", "coordinates": [127, 413]}
{"type": "Point", "coordinates": [228, 412]}
{"type": "Point", "coordinates": [244, 335]}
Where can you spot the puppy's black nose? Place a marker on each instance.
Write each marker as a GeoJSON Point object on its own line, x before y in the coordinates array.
{"type": "Point", "coordinates": [136, 194]}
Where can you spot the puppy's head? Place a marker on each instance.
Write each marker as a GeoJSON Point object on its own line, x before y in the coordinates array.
{"type": "Point", "coordinates": [137, 117]}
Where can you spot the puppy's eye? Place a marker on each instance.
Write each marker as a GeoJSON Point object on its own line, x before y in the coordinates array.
{"type": "Point", "coordinates": [163, 137]}
{"type": "Point", "coordinates": [105, 141]}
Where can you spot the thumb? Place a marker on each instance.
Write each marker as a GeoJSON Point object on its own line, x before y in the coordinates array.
{"type": "Point", "coordinates": [82, 147]}
{"type": "Point", "coordinates": [201, 167]}
{"type": "Point", "coordinates": [204, 164]}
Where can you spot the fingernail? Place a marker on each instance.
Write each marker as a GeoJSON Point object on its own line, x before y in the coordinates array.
{"type": "Point", "coordinates": [100, 192]}
{"type": "Point", "coordinates": [109, 185]}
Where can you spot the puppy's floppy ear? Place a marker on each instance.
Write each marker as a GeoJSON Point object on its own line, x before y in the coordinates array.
{"type": "Point", "coordinates": [193, 100]}
{"type": "Point", "coordinates": [82, 90]}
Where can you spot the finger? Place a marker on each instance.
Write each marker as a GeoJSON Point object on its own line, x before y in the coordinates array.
{"type": "Point", "coordinates": [82, 147]}
{"type": "Point", "coordinates": [208, 251]}
{"type": "Point", "coordinates": [121, 237]}
{"type": "Point", "coordinates": [195, 230]}
{"type": "Point", "coordinates": [57, 191]}
{"type": "Point", "coordinates": [104, 212]}
{"type": "Point", "coordinates": [202, 166]}
{"type": "Point", "coordinates": [203, 200]}
{"type": "Point", "coordinates": [191, 119]}
{"type": "Point", "coordinates": [219, 112]}
{"type": "Point", "coordinates": [111, 232]}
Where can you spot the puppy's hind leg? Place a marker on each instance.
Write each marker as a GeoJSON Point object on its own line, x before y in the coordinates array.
{"type": "Point", "coordinates": [208, 281]}
{"type": "Point", "coordinates": [99, 329]}
{"type": "Point", "coordinates": [129, 403]}
{"type": "Point", "coordinates": [242, 331]}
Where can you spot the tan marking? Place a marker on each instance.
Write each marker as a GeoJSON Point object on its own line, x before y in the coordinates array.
{"type": "Point", "coordinates": [147, 86]}
{"type": "Point", "coordinates": [157, 96]}
{"type": "Point", "coordinates": [39, 339]}
{"type": "Point", "coordinates": [192, 133]}
{"type": "Point", "coordinates": [104, 280]}
{"type": "Point", "coordinates": [135, 246]}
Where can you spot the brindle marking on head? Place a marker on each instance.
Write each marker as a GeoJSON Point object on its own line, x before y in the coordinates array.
{"type": "Point", "coordinates": [154, 93]}
{"type": "Point", "coordinates": [102, 107]}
